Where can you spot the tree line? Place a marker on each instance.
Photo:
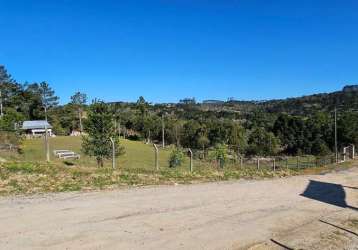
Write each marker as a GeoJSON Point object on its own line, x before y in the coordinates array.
{"type": "Point", "coordinates": [248, 131]}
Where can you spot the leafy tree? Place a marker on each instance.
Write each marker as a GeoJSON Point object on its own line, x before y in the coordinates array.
{"type": "Point", "coordinates": [348, 129]}
{"type": "Point", "coordinates": [10, 120]}
{"type": "Point", "coordinates": [263, 143]}
{"type": "Point", "coordinates": [191, 134]}
{"type": "Point", "coordinates": [100, 128]}
{"type": "Point", "coordinates": [78, 100]}
{"type": "Point", "coordinates": [237, 138]}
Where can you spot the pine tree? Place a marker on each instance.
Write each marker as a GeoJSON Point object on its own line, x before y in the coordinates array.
{"type": "Point", "coordinates": [100, 128]}
{"type": "Point", "coordinates": [79, 100]}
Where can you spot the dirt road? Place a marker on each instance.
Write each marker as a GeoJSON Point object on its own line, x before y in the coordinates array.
{"type": "Point", "coordinates": [294, 212]}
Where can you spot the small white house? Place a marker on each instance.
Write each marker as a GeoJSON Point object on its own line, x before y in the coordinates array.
{"type": "Point", "coordinates": [36, 128]}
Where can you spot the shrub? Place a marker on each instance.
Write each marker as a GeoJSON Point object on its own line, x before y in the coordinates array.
{"type": "Point", "coordinates": [176, 158]}
{"type": "Point", "coordinates": [220, 154]}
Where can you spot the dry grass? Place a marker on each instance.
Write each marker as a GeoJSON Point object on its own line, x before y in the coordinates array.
{"type": "Point", "coordinates": [28, 173]}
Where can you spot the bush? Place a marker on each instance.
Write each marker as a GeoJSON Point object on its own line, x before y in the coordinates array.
{"type": "Point", "coordinates": [176, 158]}
{"type": "Point", "coordinates": [220, 154]}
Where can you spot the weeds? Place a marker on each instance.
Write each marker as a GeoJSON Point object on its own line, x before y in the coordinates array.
{"type": "Point", "coordinates": [29, 178]}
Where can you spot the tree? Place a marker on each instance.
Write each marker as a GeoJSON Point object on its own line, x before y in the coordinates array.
{"type": "Point", "coordinates": [191, 134]}
{"type": "Point", "coordinates": [79, 100]}
{"type": "Point", "coordinates": [100, 129]}
{"type": "Point", "coordinates": [262, 142]}
{"type": "Point", "coordinates": [237, 138]}
{"type": "Point", "coordinates": [10, 92]}
{"type": "Point", "coordinates": [48, 97]}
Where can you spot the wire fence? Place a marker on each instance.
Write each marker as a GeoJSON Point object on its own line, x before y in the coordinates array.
{"type": "Point", "coordinates": [268, 163]}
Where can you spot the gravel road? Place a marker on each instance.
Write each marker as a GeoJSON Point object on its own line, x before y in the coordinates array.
{"type": "Point", "coordinates": [226, 215]}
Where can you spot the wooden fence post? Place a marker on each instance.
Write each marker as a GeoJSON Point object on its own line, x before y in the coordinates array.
{"type": "Point", "coordinates": [258, 164]}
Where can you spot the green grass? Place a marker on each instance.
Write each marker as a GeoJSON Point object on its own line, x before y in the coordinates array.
{"type": "Point", "coordinates": [137, 154]}
{"type": "Point", "coordinates": [28, 172]}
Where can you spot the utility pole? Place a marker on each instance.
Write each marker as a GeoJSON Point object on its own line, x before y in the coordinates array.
{"type": "Point", "coordinates": [163, 133]}
{"type": "Point", "coordinates": [335, 134]}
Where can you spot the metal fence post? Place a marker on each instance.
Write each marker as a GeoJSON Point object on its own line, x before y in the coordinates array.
{"type": "Point", "coordinates": [156, 157]}
{"type": "Point", "coordinates": [47, 144]}
{"type": "Point", "coordinates": [298, 161]}
{"type": "Point", "coordinates": [191, 160]}
{"type": "Point", "coordinates": [353, 152]}
{"type": "Point", "coordinates": [113, 153]}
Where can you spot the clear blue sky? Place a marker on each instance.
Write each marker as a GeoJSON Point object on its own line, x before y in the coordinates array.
{"type": "Point", "coordinates": [169, 49]}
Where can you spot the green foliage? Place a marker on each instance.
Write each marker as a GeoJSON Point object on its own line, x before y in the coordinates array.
{"type": "Point", "coordinates": [7, 137]}
{"type": "Point", "coordinates": [303, 125]}
{"type": "Point", "coordinates": [100, 129]}
{"type": "Point", "coordinates": [176, 158]}
{"type": "Point", "coordinates": [263, 143]}
{"type": "Point", "coordinates": [220, 154]}
{"type": "Point", "coordinates": [10, 120]}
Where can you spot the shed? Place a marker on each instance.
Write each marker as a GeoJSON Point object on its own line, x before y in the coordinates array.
{"type": "Point", "coordinates": [36, 128]}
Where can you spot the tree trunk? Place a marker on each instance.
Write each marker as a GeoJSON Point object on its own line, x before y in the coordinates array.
{"type": "Point", "coordinates": [45, 112]}
{"type": "Point", "coordinates": [100, 162]}
{"type": "Point", "coordinates": [80, 117]}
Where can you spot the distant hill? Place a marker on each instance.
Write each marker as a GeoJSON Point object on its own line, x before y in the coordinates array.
{"type": "Point", "coordinates": [346, 99]}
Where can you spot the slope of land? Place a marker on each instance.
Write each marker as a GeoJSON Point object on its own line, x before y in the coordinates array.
{"type": "Point", "coordinates": [308, 212]}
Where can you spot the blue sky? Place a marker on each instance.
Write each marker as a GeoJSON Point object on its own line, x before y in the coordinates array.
{"type": "Point", "coordinates": [166, 50]}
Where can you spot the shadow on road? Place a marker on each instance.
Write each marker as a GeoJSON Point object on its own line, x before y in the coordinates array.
{"type": "Point", "coordinates": [333, 194]}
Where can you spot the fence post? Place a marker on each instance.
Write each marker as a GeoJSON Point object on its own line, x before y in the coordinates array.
{"type": "Point", "coordinates": [298, 161]}
{"type": "Point", "coordinates": [47, 145]}
{"type": "Point", "coordinates": [344, 153]}
{"type": "Point", "coordinates": [156, 157]}
{"type": "Point", "coordinates": [241, 161]}
{"type": "Point", "coordinates": [191, 160]}
{"type": "Point", "coordinates": [274, 164]}
{"type": "Point", "coordinates": [113, 153]}
{"type": "Point", "coordinates": [258, 164]}
{"type": "Point", "coordinates": [353, 151]}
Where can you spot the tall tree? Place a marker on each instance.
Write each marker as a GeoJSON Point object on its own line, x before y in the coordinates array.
{"type": "Point", "coordinates": [100, 129]}
{"type": "Point", "coordinates": [79, 100]}
{"type": "Point", "coordinates": [48, 97]}
{"type": "Point", "coordinates": [10, 92]}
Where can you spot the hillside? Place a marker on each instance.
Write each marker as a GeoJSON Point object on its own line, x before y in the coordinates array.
{"type": "Point", "coordinates": [346, 99]}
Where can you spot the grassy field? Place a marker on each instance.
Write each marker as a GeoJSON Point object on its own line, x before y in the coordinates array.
{"type": "Point", "coordinates": [137, 154]}
{"type": "Point", "coordinates": [28, 172]}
